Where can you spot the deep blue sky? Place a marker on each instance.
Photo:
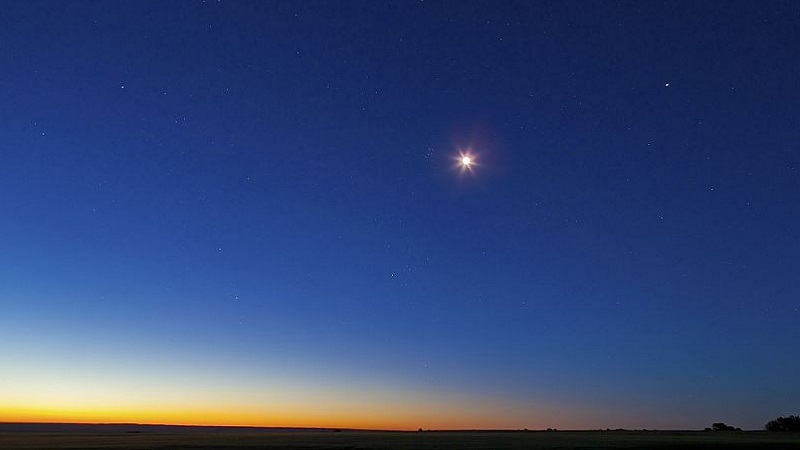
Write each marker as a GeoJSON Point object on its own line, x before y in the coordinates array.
{"type": "Point", "coordinates": [222, 190]}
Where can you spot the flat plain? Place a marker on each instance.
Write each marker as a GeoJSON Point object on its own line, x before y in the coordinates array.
{"type": "Point", "coordinates": [190, 439]}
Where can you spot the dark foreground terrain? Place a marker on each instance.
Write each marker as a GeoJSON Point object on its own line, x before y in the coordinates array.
{"type": "Point", "coordinates": [190, 438]}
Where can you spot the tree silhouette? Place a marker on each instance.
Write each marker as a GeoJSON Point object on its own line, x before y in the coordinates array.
{"type": "Point", "coordinates": [790, 423]}
{"type": "Point", "coordinates": [721, 426]}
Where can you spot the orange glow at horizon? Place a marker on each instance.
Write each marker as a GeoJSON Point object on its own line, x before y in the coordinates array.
{"type": "Point", "coordinates": [72, 388]}
{"type": "Point", "coordinates": [386, 411]}
{"type": "Point", "coordinates": [388, 420]}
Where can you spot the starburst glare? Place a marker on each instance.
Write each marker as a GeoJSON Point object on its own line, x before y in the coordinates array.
{"type": "Point", "coordinates": [465, 161]}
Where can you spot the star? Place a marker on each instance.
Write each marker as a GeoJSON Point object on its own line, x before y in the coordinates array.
{"type": "Point", "coordinates": [466, 161]}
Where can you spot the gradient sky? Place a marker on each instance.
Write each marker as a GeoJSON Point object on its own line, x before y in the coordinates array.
{"type": "Point", "coordinates": [226, 212]}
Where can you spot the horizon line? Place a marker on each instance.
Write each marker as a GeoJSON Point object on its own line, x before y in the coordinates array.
{"type": "Point", "coordinates": [333, 429]}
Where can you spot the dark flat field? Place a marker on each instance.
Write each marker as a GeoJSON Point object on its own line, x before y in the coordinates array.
{"type": "Point", "coordinates": [190, 438]}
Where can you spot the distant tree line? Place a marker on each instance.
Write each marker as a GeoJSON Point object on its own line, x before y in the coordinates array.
{"type": "Point", "coordinates": [721, 426]}
{"type": "Point", "coordinates": [790, 423]}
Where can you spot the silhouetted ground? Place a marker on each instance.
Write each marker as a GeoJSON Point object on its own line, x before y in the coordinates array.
{"type": "Point", "coordinates": [187, 438]}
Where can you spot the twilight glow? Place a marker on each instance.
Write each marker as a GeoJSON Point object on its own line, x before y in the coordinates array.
{"type": "Point", "coordinates": [399, 215]}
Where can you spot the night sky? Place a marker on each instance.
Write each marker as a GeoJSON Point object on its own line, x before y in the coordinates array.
{"type": "Point", "coordinates": [252, 213]}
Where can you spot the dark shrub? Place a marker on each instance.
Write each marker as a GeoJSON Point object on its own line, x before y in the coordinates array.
{"type": "Point", "coordinates": [721, 426]}
{"type": "Point", "coordinates": [790, 423]}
